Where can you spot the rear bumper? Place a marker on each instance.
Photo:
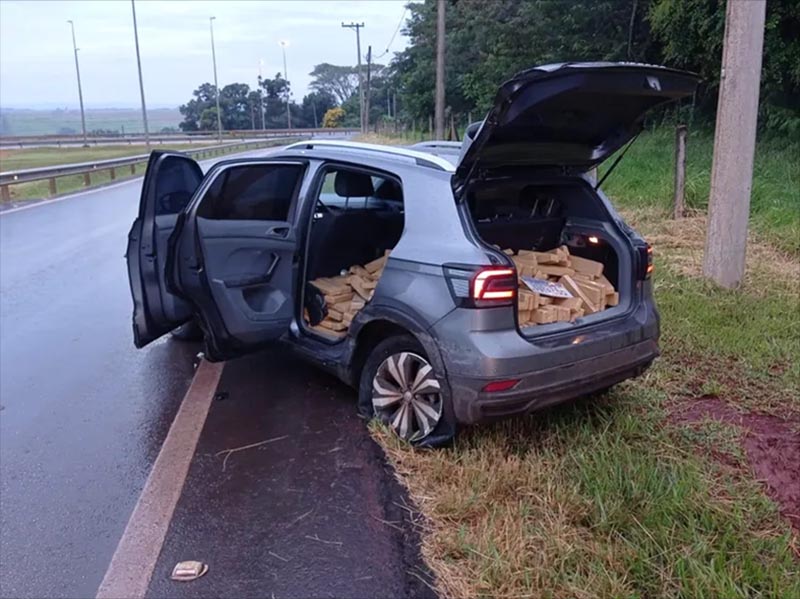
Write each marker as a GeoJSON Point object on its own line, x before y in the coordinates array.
{"type": "Point", "coordinates": [486, 346]}
{"type": "Point", "coordinates": [550, 386]}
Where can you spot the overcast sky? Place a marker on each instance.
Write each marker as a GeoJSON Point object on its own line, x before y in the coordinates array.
{"type": "Point", "coordinates": [37, 66]}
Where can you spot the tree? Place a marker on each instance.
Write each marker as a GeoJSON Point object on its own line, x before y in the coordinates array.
{"type": "Point", "coordinates": [235, 105]}
{"type": "Point", "coordinates": [690, 33]}
{"type": "Point", "coordinates": [314, 106]}
{"type": "Point", "coordinates": [333, 117]}
{"type": "Point", "coordinates": [341, 82]}
{"type": "Point", "coordinates": [204, 98]}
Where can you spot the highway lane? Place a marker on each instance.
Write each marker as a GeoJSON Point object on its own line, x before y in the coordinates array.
{"type": "Point", "coordinates": [82, 412]}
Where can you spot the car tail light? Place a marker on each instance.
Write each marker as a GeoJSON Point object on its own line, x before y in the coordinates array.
{"type": "Point", "coordinates": [481, 287]}
{"type": "Point", "coordinates": [497, 386]}
{"type": "Point", "coordinates": [645, 261]}
{"type": "Point", "coordinates": [494, 284]}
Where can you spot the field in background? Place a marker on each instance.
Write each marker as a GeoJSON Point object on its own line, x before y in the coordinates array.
{"type": "Point", "coordinates": [12, 160]}
{"type": "Point", "coordinates": [37, 157]}
{"type": "Point", "coordinates": [62, 121]}
{"type": "Point", "coordinates": [682, 483]}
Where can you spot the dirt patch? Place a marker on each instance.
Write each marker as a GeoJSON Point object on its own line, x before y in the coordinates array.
{"type": "Point", "coordinates": [772, 446]}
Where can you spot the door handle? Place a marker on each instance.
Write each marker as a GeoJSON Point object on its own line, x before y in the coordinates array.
{"type": "Point", "coordinates": [279, 231]}
{"type": "Point", "coordinates": [252, 281]}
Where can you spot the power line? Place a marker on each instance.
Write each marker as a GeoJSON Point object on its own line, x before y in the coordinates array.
{"type": "Point", "coordinates": [399, 24]}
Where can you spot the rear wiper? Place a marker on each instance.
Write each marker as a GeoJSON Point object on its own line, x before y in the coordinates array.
{"type": "Point", "coordinates": [616, 162]}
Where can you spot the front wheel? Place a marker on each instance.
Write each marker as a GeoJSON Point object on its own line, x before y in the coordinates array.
{"type": "Point", "coordinates": [400, 388]}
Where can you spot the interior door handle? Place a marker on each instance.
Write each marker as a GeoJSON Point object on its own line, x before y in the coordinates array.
{"type": "Point", "coordinates": [281, 231]}
{"type": "Point", "coordinates": [252, 281]}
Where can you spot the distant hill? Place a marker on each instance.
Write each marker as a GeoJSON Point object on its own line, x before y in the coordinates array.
{"type": "Point", "coordinates": [14, 121]}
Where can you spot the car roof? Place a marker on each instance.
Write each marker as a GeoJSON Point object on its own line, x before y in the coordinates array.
{"type": "Point", "coordinates": [353, 149]}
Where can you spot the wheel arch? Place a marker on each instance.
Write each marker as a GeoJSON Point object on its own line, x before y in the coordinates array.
{"type": "Point", "coordinates": [370, 331]}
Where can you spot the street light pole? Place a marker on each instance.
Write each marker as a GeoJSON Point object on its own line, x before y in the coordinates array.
{"type": "Point", "coordinates": [216, 85]}
{"type": "Point", "coordinates": [141, 82]}
{"type": "Point", "coordinates": [80, 91]}
{"type": "Point", "coordinates": [283, 44]}
{"type": "Point", "coordinates": [261, 96]}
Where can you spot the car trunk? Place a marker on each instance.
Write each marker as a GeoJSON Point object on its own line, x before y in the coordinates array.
{"type": "Point", "coordinates": [515, 213]}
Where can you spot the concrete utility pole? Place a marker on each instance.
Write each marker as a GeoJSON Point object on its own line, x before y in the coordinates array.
{"type": "Point", "coordinates": [286, 77]}
{"type": "Point", "coordinates": [357, 27]}
{"type": "Point", "coordinates": [440, 33]}
{"type": "Point", "coordinates": [80, 90]}
{"type": "Point", "coordinates": [141, 81]}
{"type": "Point", "coordinates": [734, 142]}
{"type": "Point", "coordinates": [216, 85]}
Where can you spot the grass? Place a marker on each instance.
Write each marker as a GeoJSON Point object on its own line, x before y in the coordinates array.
{"type": "Point", "coordinates": [40, 157]}
{"type": "Point", "coordinates": [12, 160]}
{"type": "Point", "coordinates": [644, 179]}
{"type": "Point", "coordinates": [612, 496]}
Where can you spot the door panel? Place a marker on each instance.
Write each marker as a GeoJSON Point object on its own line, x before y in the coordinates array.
{"type": "Point", "coordinates": [169, 182]}
{"type": "Point", "coordinates": [238, 267]}
{"type": "Point", "coordinates": [250, 274]}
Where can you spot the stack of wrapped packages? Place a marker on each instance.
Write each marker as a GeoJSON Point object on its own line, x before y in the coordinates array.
{"type": "Point", "coordinates": [347, 293]}
{"type": "Point", "coordinates": [557, 287]}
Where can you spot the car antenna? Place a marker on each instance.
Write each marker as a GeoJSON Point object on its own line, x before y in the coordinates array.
{"type": "Point", "coordinates": [616, 162]}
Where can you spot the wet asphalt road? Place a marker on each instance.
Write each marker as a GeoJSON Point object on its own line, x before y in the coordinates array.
{"type": "Point", "coordinates": [314, 512]}
{"type": "Point", "coordinates": [82, 413]}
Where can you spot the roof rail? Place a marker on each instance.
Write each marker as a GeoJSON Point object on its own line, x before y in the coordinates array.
{"type": "Point", "coordinates": [421, 158]}
{"type": "Point", "coordinates": [438, 144]}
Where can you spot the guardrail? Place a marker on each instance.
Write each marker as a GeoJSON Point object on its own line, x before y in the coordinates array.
{"type": "Point", "coordinates": [51, 173]}
{"type": "Point", "coordinates": [21, 141]}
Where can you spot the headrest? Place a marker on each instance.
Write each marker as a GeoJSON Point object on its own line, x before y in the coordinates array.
{"type": "Point", "coordinates": [348, 184]}
{"type": "Point", "coordinates": [389, 190]}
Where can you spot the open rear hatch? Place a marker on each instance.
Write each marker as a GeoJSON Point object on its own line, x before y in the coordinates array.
{"type": "Point", "coordinates": [569, 116]}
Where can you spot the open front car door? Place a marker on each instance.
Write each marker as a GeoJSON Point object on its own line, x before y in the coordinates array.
{"type": "Point", "coordinates": [234, 254]}
{"type": "Point", "coordinates": [169, 183]}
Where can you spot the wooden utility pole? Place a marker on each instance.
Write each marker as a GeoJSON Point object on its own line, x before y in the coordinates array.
{"type": "Point", "coordinates": [440, 35]}
{"type": "Point", "coordinates": [357, 27]}
{"type": "Point", "coordinates": [679, 197]}
{"type": "Point", "coordinates": [734, 142]}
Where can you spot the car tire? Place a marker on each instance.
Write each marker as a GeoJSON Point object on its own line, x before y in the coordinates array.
{"type": "Point", "coordinates": [189, 331]}
{"type": "Point", "coordinates": [394, 379]}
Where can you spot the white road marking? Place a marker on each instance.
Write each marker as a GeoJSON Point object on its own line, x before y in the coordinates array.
{"type": "Point", "coordinates": [134, 560]}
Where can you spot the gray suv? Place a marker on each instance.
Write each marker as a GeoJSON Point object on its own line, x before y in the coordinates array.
{"type": "Point", "coordinates": [439, 343]}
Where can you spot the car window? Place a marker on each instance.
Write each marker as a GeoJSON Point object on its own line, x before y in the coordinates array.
{"type": "Point", "coordinates": [252, 192]}
{"type": "Point", "coordinates": [175, 185]}
{"type": "Point", "coordinates": [346, 189]}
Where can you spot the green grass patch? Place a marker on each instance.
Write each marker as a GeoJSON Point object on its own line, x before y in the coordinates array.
{"type": "Point", "coordinates": [13, 160]}
{"type": "Point", "coordinates": [644, 178]}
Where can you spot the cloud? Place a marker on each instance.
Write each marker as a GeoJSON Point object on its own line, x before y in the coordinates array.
{"type": "Point", "coordinates": [37, 65]}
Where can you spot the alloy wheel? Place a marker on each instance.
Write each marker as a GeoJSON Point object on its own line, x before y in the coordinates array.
{"type": "Point", "coordinates": [407, 396]}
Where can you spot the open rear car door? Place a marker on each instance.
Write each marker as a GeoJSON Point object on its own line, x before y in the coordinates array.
{"type": "Point", "coordinates": [234, 254]}
{"type": "Point", "coordinates": [169, 183]}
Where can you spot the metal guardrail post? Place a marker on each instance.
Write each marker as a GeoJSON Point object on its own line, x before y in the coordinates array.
{"type": "Point", "coordinates": [113, 173]}
{"type": "Point", "coordinates": [87, 179]}
{"type": "Point", "coordinates": [5, 193]}
{"type": "Point", "coordinates": [52, 186]}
